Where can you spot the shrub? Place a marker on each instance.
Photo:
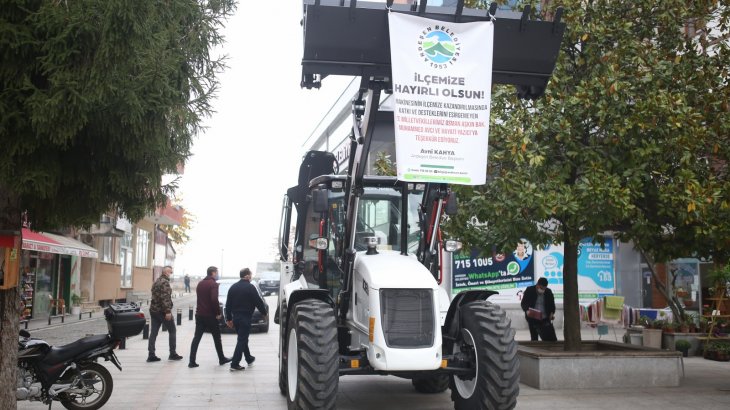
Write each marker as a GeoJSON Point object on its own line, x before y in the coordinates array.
{"type": "Point", "coordinates": [682, 344]}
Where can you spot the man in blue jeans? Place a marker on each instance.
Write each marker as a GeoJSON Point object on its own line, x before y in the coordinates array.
{"type": "Point", "coordinates": [241, 301]}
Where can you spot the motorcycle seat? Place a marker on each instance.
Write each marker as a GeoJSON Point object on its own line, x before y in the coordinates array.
{"type": "Point", "coordinates": [62, 353]}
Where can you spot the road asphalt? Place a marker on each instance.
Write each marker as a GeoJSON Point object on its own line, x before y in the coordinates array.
{"type": "Point", "coordinates": [172, 385]}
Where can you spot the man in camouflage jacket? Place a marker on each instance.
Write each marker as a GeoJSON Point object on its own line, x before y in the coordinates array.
{"type": "Point", "coordinates": [161, 312]}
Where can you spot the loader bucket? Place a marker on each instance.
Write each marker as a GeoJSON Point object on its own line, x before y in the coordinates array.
{"type": "Point", "coordinates": [352, 38]}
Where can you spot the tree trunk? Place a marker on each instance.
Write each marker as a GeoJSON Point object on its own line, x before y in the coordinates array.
{"type": "Point", "coordinates": [9, 327]}
{"type": "Point", "coordinates": [10, 220]}
{"type": "Point", "coordinates": [571, 311]}
{"type": "Point", "coordinates": [672, 302]}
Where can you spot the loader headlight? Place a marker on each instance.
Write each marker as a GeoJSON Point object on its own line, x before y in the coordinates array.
{"type": "Point", "coordinates": [452, 245]}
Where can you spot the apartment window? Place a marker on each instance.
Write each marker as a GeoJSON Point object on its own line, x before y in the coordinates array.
{"type": "Point", "coordinates": [143, 248]}
{"type": "Point", "coordinates": [107, 254]}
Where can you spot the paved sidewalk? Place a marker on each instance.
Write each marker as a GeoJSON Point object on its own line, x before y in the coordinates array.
{"type": "Point", "coordinates": [172, 385]}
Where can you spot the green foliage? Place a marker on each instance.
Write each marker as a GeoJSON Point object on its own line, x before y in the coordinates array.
{"type": "Point", "coordinates": [682, 344]}
{"type": "Point", "coordinates": [631, 136]}
{"type": "Point", "coordinates": [99, 99]}
{"type": "Point", "coordinates": [383, 164]}
{"type": "Point", "coordinates": [719, 276]}
{"type": "Point", "coordinates": [718, 347]}
{"type": "Point", "coordinates": [75, 300]}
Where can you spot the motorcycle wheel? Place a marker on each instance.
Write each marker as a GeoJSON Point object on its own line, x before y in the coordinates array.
{"type": "Point", "coordinates": [97, 379]}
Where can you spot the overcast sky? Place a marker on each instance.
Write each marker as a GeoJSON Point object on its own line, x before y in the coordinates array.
{"type": "Point", "coordinates": [243, 163]}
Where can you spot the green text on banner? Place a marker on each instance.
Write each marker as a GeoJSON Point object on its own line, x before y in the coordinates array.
{"type": "Point", "coordinates": [442, 78]}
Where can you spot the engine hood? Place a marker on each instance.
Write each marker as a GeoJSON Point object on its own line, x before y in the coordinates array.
{"type": "Point", "coordinates": [390, 269]}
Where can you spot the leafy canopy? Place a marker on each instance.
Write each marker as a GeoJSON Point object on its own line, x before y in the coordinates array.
{"type": "Point", "coordinates": [98, 100]}
{"type": "Point", "coordinates": [631, 135]}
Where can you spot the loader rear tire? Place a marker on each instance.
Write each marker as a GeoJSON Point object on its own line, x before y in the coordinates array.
{"type": "Point", "coordinates": [490, 340]}
{"type": "Point", "coordinates": [312, 360]}
{"type": "Point", "coordinates": [431, 384]}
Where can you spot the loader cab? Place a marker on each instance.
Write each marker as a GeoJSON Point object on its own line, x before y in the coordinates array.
{"type": "Point", "coordinates": [320, 237]}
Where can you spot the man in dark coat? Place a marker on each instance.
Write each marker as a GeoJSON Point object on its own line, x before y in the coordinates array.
{"type": "Point", "coordinates": [208, 312]}
{"type": "Point", "coordinates": [538, 303]}
{"type": "Point", "coordinates": [242, 299]}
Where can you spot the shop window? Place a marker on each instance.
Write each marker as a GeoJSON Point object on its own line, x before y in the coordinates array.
{"type": "Point", "coordinates": [143, 248]}
{"type": "Point", "coordinates": [107, 254]}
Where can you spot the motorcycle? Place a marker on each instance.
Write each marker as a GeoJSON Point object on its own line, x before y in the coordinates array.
{"type": "Point", "coordinates": [70, 373]}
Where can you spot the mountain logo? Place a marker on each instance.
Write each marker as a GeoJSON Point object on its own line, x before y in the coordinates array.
{"type": "Point", "coordinates": [438, 46]}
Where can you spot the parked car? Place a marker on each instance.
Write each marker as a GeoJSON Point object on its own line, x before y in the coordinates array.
{"type": "Point", "coordinates": [259, 322]}
{"type": "Point", "coordinates": [269, 282]}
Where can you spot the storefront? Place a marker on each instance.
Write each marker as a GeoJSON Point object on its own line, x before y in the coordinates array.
{"type": "Point", "coordinates": [50, 271]}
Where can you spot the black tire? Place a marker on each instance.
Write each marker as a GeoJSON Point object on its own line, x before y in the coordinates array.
{"type": "Point", "coordinates": [103, 385]}
{"type": "Point", "coordinates": [496, 383]}
{"type": "Point", "coordinates": [312, 356]}
{"type": "Point", "coordinates": [431, 384]}
{"type": "Point", "coordinates": [282, 347]}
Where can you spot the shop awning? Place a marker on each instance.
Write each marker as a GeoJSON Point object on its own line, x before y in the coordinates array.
{"type": "Point", "coordinates": [51, 243]}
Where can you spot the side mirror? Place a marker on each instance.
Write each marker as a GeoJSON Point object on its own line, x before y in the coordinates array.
{"type": "Point", "coordinates": [319, 200]}
{"type": "Point", "coordinates": [451, 205]}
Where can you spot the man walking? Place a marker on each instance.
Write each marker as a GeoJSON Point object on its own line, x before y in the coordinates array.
{"type": "Point", "coordinates": [207, 316]}
{"type": "Point", "coordinates": [242, 299]}
{"type": "Point", "coordinates": [538, 303]}
{"type": "Point", "coordinates": [187, 283]}
{"type": "Point", "coordinates": [161, 313]}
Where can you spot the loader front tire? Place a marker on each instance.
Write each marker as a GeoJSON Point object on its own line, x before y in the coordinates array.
{"type": "Point", "coordinates": [487, 338]}
{"type": "Point", "coordinates": [312, 366]}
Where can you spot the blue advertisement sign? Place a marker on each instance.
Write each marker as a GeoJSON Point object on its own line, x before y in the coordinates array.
{"type": "Point", "coordinates": [595, 263]}
{"type": "Point", "coordinates": [595, 268]}
{"type": "Point", "coordinates": [506, 273]}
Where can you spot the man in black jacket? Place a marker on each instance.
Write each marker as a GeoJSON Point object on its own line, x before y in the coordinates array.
{"type": "Point", "coordinates": [242, 299]}
{"type": "Point", "coordinates": [538, 303]}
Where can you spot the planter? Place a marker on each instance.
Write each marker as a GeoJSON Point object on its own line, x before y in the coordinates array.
{"type": "Point", "coordinates": [669, 340]}
{"type": "Point", "coordinates": [636, 339]}
{"type": "Point", "coordinates": [652, 338]}
{"type": "Point", "coordinates": [75, 310]}
{"type": "Point", "coordinates": [547, 366]}
{"type": "Point", "coordinates": [717, 356]}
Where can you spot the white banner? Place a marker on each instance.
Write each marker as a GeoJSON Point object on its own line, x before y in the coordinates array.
{"type": "Point", "coordinates": [442, 80]}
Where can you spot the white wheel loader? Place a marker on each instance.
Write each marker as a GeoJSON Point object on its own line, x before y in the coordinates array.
{"type": "Point", "coordinates": [361, 289]}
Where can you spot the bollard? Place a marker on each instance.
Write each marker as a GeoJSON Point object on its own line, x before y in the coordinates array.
{"type": "Point", "coordinates": [179, 316]}
{"type": "Point", "coordinates": [190, 312]}
{"type": "Point", "coordinates": [123, 343]}
{"type": "Point", "coordinates": [80, 315]}
{"type": "Point", "coordinates": [49, 320]}
{"type": "Point", "coordinates": [26, 324]}
{"type": "Point", "coordinates": [146, 330]}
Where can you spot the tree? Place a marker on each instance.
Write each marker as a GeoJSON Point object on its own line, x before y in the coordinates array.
{"type": "Point", "coordinates": [98, 100]}
{"type": "Point", "coordinates": [178, 234]}
{"type": "Point", "coordinates": [630, 137]}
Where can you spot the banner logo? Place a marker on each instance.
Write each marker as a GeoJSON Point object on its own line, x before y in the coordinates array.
{"type": "Point", "coordinates": [438, 46]}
